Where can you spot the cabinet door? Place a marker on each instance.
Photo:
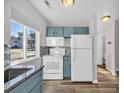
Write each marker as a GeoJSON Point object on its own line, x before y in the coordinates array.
{"type": "Point", "coordinates": [67, 66]}
{"type": "Point", "coordinates": [58, 32]}
{"type": "Point", "coordinates": [60, 41]}
{"type": "Point", "coordinates": [68, 31]}
{"type": "Point", "coordinates": [27, 85]}
{"type": "Point", "coordinates": [37, 89]}
{"type": "Point", "coordinates": [50, 32]}
{"type": "Point", "coordinates": [81, 30]}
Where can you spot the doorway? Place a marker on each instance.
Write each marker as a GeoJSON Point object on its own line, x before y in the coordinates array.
{"type": "Point", "coordinates": [104, 50]}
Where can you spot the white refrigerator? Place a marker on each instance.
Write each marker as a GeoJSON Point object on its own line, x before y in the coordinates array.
{"type": "Point", "coordinates": [81, 58]}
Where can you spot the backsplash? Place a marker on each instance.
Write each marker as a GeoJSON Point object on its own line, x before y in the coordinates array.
{"type": "Point", "coordinates": [67, 42]}
{"type": "Point", "coordinates": [68, 51]}
{"type": "Point", "coordinates": [44, 51]}
{"type": "Point", "coordinates": [7, 55]}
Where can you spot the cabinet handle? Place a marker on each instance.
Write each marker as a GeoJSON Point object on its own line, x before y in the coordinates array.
{"type": "Point", "coordinates": [40, 75]}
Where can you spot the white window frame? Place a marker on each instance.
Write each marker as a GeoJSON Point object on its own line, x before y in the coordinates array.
{"type": "Point", "coordinates": [37, 45]}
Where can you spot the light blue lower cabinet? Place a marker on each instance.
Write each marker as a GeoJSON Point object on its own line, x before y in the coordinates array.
{"type": "Point", "coordinates": [67, 67]}
{"type": "Point", "coordinates": [31, 85]}
{"type": "Point", "coordinates": [37, 89]}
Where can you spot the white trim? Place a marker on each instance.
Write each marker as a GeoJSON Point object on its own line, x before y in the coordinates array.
{"type": "Point", "coordinates": [16, 22]}
{"type": "Point", "coordinates": [24, 44]}
{"type": "Point", "coordinates": [37, 43]}
{"type": "Point", "coordinates": [117, 69]}
{"type": "Point", "coordinates": [114, 74]}
{"type": "Point", "coordinates": [95, 81]}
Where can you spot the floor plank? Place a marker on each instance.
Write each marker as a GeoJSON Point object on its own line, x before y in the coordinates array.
{"type": "Point", "coordinates": [107, 83]}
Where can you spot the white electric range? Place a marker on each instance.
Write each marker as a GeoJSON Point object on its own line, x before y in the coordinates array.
{"type": "Point", "coordinates": [53, 64]}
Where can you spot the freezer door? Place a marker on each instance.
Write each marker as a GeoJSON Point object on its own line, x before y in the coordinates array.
{"type": "Point", "coordinates": [81, 41]}
{"type": "Point", "coordinates": [81, 65]}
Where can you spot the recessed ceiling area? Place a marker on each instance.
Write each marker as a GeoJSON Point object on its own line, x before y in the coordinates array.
{"type": "Point", "coordinates": [58, 15]}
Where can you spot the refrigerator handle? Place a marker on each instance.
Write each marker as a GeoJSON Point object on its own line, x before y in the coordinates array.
{"type": "Point", "coordinates": [74, 57]}
{"type": "Point", "coordinates": [74, 52]}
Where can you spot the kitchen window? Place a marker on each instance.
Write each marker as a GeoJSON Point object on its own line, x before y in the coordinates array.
{"type": "Point", "coordinates": [16, 41]}
{"type": "Point", "coordinates": [31, 46]}
{"type": "Point", "coordinates": [24, 44]}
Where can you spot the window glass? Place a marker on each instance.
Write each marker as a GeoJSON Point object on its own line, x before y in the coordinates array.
{"type": "Point", "coordinates": [23, 42]}
{"type": "Point", "coordinates": [16, 41]}
{"type": "Point", "coordinates": [31, 45]}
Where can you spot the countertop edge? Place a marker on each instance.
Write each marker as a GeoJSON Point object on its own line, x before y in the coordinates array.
{"type": "Point", "coordinates": [21, 81]}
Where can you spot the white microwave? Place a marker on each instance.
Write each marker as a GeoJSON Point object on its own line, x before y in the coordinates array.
{"type": "Point", "coordinates": [54, 41]}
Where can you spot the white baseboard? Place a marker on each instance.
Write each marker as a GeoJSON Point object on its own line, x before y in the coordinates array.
{"type": "Point", "coordinates": [114, 74]}
{"type": "Point", "coordinates": [117, 69]}
{"type": "Point", "coordinates": [95, 81]}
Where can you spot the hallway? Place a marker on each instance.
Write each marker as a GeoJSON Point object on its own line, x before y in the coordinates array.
{"type": "Point", "coordinates": [106, 84]}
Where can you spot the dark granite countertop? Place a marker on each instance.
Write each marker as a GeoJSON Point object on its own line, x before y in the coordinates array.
{"type": "Point", "coordinates": [21, 78]}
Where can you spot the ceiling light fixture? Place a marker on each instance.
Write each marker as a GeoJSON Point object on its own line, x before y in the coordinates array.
{"type": "Point", "coordinates": [106, 18]}
{"type": "Point", "coordinates": [68, 3]}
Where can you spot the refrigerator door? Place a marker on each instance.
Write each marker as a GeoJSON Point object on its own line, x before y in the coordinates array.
{"type": "Point", "coordinates": [81, 41]}
{"type": "Point", "coordinates": [81, 65]}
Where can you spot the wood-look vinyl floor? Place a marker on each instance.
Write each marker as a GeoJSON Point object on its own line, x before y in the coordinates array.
{"type": "Point", "coordinates": [107, 83]}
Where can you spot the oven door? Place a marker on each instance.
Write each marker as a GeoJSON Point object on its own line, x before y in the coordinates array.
{"type": "Point", "coordinates": [53, 64]}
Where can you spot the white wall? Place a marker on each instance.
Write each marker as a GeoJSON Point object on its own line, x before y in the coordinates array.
{"type": "Point", "coordinates": [116, 34]}
{"type": "Point", "coordinates": [104, 47]}
{"type": "Point", "coordinates": [26, 9]}
{"type": "Point", "coordinates": [93, 31]}
{"type": "Point", "coordinates": [108, 7]}
{"type": "Point", "coordinates": [99, 48]}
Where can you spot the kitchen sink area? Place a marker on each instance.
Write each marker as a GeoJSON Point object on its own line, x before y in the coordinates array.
{"type": "Point", "coordinates": [12, 73]}
{"type": "Point", "coordinates": [19, 77]}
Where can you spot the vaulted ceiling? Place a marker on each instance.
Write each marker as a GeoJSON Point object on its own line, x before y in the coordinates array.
{"type": "Point", "coordinates": [59, 15]}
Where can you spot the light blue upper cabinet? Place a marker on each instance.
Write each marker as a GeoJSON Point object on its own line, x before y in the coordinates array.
{"type": "Point", "coordinates": [68, 31]}
{"type": "Point", "coordinates": [82, 30]}
{"type": "Point", "coordinates": [54, 31]}
{"type": "Point", "coordinates": [58, 31]}
{"type": "Point", "coordinates": [50, 31]}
